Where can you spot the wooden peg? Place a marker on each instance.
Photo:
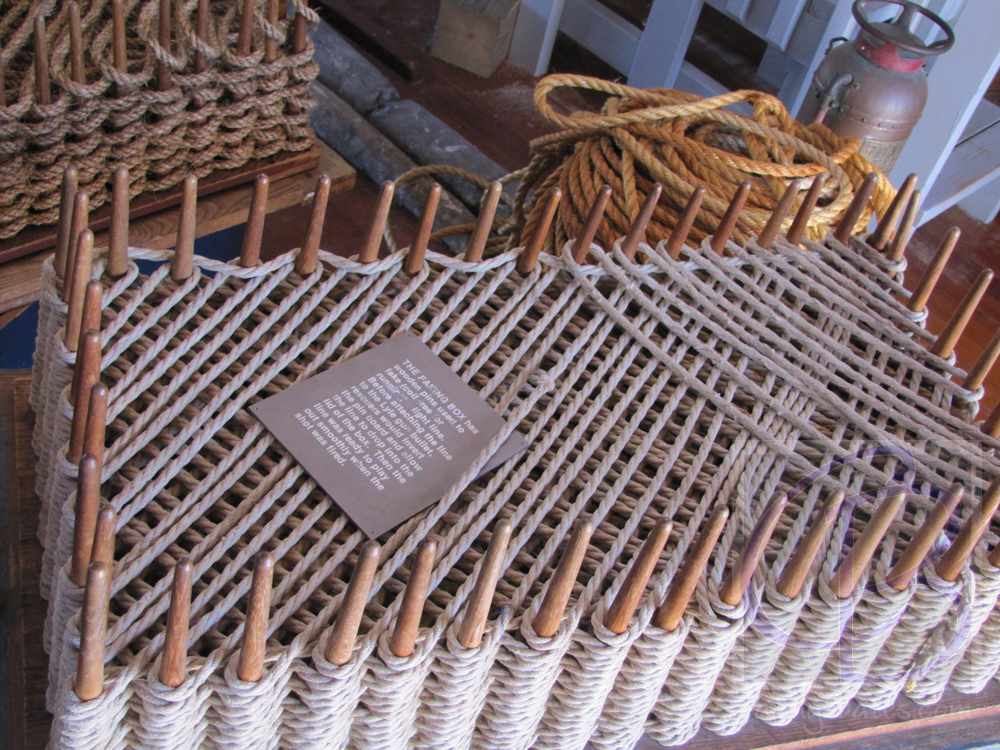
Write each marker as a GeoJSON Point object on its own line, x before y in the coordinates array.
{"type": "Point", "coordinates": [924, 287]}
{"type": "Point", "coordinates": [953, 329]}
{"type": "Point", "coordinates": [300, 33]}
{"type": "Point", "coordinates": [86, 372]}
{"type": "Point", "coordinates": [93, 297]}
{"type": "Point", "coordinates": [845, 580]}
{"type": "Point", "coordinates": [553, 606]}
{"type": "Point", "coordinates": [677, 238]}
{"type": "Point", "coordinates": [43, 93]}
{"type": "Point", "coordinates": [75, 44]}
{"type": "Point", "coordinates": [668, 615]}
{"type": "Point", "coordinates": [740, 575]}
{"type": "Point", "coordinates": [270, 44]}
{"type": "Point", "coordinates": [950, 564]}
{"type": "Point", "coordinates": [163, 76]}
{"type": "Point", "coordinates": [79, 222]}
{"type": "Point", "coordinates": [977, 375]}
{"type": "Point", "coordinates": [88, 500]}
{"type": "Point", "coordinates": [770, 232]}
{"type": "Point", "coordinates": [251, 664]}
{"type": "Point", "coordinates": [117, 265]}
{"type": "Point", "coordinates": [345, 630]}
{"type": "Point", "coordinates": [856, 208]}
{"type": "Point", "coordinates": [529, 255]}
{"type": "Point", "coordinates": [637, 232]}
{"type": "Point", "coordinates": [201, 31]}
{"type": "Point", "coordinates": [246, 29]}
{"type": "Point", "coordinates": [404, 634]}
{"type": "Point", "coordinates": [79, 279]}
{"type": "Point", "coordinates": [796, 571]}
{"type": "Point", "coordinates": [369, 251]}
{"type": "Point", "coordinates": [477, 610]}
{"type": "Point", "coordinates": [728, 223]}
{"type": "Point", "coordinates": [305, 263]}
{"type": "Point", "coordinates": [617, 617]}
{"type": "Point", "coordinates": [119, 55]}
{"type": "Point", "coordinates": [909, 562]}
{"type": "Point", "coordinates": [104, 537]}
{"type": "Point", "coordinates": [898, 246]}
{"type": "Point", "coordinates": [991, 426]}
{"type": "Point", "coordinates": [484, 224]}
{"type": "Point", "coordinates": [805, 212]}
{"type": "Point", "coordinates": [183, 264]}
{"type": "Point", "coordinates": [581, 247]}
{"type": "Point", "coordinates": [97, 414]}
{"type": "Point", "coordinates": [883, 232]}
{"type": "Point", "coordinates": [173, 665]}
{"type": "Point", "coordinates": [250, 252]}
{"type": "Point", "coordinates": [66, 209]}
{"type": "Point", "coordinates": [418, 248]}
{"type": "Point", "coordinates": [93, 630]}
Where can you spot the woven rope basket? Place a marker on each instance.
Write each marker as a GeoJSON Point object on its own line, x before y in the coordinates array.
{"type": "Point", "coordinates": [646, 390]}
{"type": "Point", "coordinates": [217, 109]}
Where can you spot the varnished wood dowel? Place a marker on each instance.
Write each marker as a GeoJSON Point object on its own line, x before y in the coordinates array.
{"type": "Point", "coordinates": [163, 76]}
{"type": "Point", "coordinates": [104, 537]}
{"type": "Point", "coordinates": [117, 265]}
{"type": "Point", "coordinates": [729, 219]}
{"type": "Point", "coordinates": [581, 246]}
{"type": "Point", "coordinates": [83, 262]}
{"type": "Point", "coordinates": [97, 415]}
{"type": "Point", "coordinates": [845, 580]}
{"type": "Point", "coordinates": [183, 264]}
{"type": "Point", "coordinates": [201, 31]}
{"type": "Point", "coordinates": [950, 564]}
{"type": "Point", "coordinates": [66, 209]}
{"type": "Point", "coordinates": [119, 54]}
{"type": "Point", "coordinates": [305, 263]}
{"type": "Point", "coordinates": [173, 665]}
{"type": "Point", "coordinates": [484, 224]}
{"type": "Point", "coordinates": [43, 93]}
{"type": "Point", "coordinates": [270, 44]}
{"type": "Point", "coordinates": [418, 248]}
{"type": "Point", "coordinates": [797, 569]}
{"type": "Point", "coordinates": [254, 233]}
{"type": "Point", "coordinates": [805, 212]}
{"type": "Point", "coordinates": [679, 235]}
{"type": "Point", "coordinates": [369, 250]}
{"type": "Point", "coordinates": [93, 630]}
{"type": "Point", "coordinates": [560, 588]}
{"type": "Point", "coordinates": [773, 226]}
{"type": "Point", "coordinates": [340, 646]}
{"type": "Point", "coordinates": [669, 614]}
{"type": "Point", "coordinates": [251, 664]}
{"type": "Point", "coordinates": [88, 370]}
{"type": "Point", "coordinates": [93, 298]}
{"type": "Point", "coordinates": [922, 291]}
{"type": "Point", "coordinates": [404, 634]}
{"type": "Point", "coordinates": [955, 326]}
{"type": "Point", "coordinates": [88, 500]}
{"type": "Point", "coordinates": [79, 222]}
{"type": "Point", "coordinates": [736, 582]}
{"type": "Point", "coordinates": [909, 562]}
{"type": "Point", "coordinates": [637, 232]}
{"type": "Point", "coordinates": [857, 207]}
{"type": "Point", "coordinates": [75, 44]}
{"type": "Point", "coordinates": [883, 232]}
{"type": "Point", "coordinates": [617, 617]}
{"type": "Point", "coordinates": [977, 375]}
{"type": "Point", "coordinates": [529, 255]}
{"type": "Point", "coordinates": [898, 246]}
{"type": "Point", "coordinates": [246, 29]}
{"type": "Point", "coordinates": [477, 609]}
{"type": "Point", "coordinates": [300, 33]}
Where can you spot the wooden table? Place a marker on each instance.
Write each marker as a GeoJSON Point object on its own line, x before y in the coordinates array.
{"type": "Point", "coordinates": [957, 721]}
{"type": "Point", "coordinates": [292, 181]}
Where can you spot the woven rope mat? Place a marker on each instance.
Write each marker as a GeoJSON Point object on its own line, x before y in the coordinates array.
{"type": "Point", "coordinates": [662, 389]}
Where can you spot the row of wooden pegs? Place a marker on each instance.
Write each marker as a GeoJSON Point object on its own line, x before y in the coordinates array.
{"type": "Point", "coordinates": [343, 635]}
{"type": "Point", "coordinates": [119, 54]}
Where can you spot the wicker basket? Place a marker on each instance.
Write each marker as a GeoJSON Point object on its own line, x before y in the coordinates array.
{"type": "Point", "coordinates": [215, 109]}
{"type": "Point", "coordinates": [646, 389]}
